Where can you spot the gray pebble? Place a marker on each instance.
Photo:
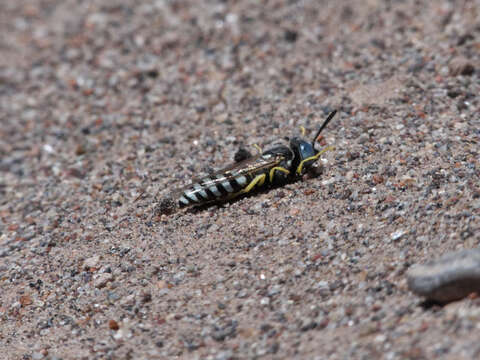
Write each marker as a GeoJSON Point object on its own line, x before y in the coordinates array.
{"type": "Point", "coordinates": [91, 262]}
{"type": "Point", "coordinates": [461, 66]}
{"type": "Point", "coordinates": [224, 355]}
{"type": "Point", "coordinates": [362, 139]}
{"type": "Point", "coordinates": [451, 277]}
{"type": "Point", "coordinates": [101, 280]}
{"type": "Point", "coordinates": [37, 356]}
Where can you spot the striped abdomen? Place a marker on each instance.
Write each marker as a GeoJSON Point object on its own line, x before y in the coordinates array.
{"type": "Point", "coordinates": [216, 187]}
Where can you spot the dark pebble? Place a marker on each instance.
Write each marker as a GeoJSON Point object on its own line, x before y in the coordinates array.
{"type": "Point", "coordinates": [453, 93]}
{"type": "Point", "coordinates": [291, 36]}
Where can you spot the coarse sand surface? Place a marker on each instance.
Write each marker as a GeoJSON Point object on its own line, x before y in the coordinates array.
{"type": "Point", "coordinates": [101, 101]}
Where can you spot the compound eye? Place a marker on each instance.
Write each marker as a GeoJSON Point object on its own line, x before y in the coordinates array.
{"type": "Point", "coordinates": [306, 150]}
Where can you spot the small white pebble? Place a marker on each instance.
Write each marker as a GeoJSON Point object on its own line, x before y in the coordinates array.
{"type": "Point", "coordinates": [380, 338]}
{"type": "Point", "coordinates": [48, 148]}
{"type": "Point", "coordinates": [328, 182]}
{"type": "Point", "coordinates": [397, 235]}
{"type": "Point", "coordinates": [120, 334]}
{"type": "Point", "coordinates": [231, 18]}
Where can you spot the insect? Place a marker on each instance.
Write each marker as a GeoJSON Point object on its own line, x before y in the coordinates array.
{"type": "Point", "coordinates": [276, 166]}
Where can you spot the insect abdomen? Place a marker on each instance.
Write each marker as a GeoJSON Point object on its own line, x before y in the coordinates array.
{"type": "Point", "coordinates": [213, 188]}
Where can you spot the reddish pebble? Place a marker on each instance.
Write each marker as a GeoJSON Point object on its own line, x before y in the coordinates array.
{"type": "Point", "coordinates": [25, 300]}
{"type": "Point", "coordinates": [377, 179]}
{"type": "Point", "coordinates": [113, 325]}
{"type": "Point", "coordinates": [13, 227]}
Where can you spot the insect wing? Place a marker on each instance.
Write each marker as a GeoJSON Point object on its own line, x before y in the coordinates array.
{"type": "Point", "coordinates": [248, 166]}
{"type": "Point", "coordinates": [221, 182]}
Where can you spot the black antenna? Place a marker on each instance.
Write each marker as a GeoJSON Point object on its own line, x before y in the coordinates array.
{"type": "Point", "coordinates": [325, 123]}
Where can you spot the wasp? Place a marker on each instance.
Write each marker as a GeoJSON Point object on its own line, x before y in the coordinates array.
{"type": "Point", "coordinates": [273, 167]}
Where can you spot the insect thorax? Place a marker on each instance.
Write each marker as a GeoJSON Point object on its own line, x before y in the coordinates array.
{"type": "Point", "coordinates": [279, 151]}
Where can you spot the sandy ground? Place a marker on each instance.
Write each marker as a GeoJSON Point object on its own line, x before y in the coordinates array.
{"type": "Point", "coordinates": [101, 100]}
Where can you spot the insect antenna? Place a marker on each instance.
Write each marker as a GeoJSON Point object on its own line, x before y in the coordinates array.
{"type": "Point", "coordinates": [325, 123]}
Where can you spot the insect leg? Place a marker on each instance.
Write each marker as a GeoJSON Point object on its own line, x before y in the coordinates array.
{"type": "Point", "coordinates": [277, 168]}
{"type": "Point", "coordinates": [302, 130]}
{"type": "Point", "coordinates": [258, 180]}
{"type": "Point", "coordinates": [312, 158]}
{"type": "Point", "coordinates": [259, 149]}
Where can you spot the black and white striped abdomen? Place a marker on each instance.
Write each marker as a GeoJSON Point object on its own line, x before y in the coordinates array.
{"type": "Point", "coordinates": [213, 188]}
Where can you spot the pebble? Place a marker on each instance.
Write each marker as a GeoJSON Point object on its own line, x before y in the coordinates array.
{"type": "Point", "coordinates": [37, 356]}
{"type": "Point", "coordinates": [397, 235]}
{"type": "Point", "coordinates": [224, 355]}
{"type": "Point", "coordinates": [451, 277]}
{"type": "Point", "coordinates": [91, 262]}
{"type": "Point", "coordinates": [323, 288]}
{"type": "Point", "coordinates": [48, 148]}
{"type": "Point", "coordinates": [265, 301]}
{"type": "Point", "coordinates": [101, 280]}
{"type": "Point", "coordinates": [120, 334]}
{"type": "Point", "coordinates": [113, 325]}
{"type": "Point", "coordinates": [461, 66]}
{"type": "Point", "coordinates": [362, 139]}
